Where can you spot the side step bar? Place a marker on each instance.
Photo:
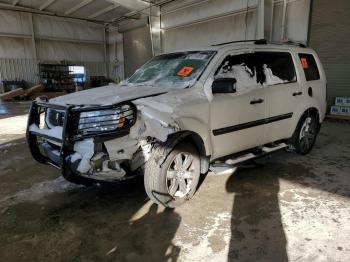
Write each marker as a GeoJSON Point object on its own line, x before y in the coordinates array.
{"type": "Point", "coordinates": [231, 164]}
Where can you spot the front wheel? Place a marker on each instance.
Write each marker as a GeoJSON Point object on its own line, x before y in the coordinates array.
{"type": "Point", "coordinates": [305, 135]}
{"type": "Point", "coordinates": [175, 180]}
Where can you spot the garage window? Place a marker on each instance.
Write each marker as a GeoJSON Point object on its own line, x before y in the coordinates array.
{"type": "Point", "coordinates": [310, 67]}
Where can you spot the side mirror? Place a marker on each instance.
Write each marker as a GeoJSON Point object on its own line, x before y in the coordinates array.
{"type": "Point", "coordinates": [224, 85]}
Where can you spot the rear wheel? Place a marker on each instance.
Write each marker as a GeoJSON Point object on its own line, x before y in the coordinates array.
{"type": "Point", "coordinates": [175, 180]}
{"type": "Point", "coordinates": [305, 135]}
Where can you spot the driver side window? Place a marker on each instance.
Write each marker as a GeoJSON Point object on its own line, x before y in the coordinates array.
{"type": "Point", "coordinates": [244, 69]}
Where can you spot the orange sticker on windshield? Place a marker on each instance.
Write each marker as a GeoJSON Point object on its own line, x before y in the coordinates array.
{"type": "Point", "coordinates": [304, 63]}
{"type": "Point", "coordinates": [185, 71]}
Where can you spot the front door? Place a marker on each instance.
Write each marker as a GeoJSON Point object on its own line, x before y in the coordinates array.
{"type": "Point", "coordinates": [237, 119]}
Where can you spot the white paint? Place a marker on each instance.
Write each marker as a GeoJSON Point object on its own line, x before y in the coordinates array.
{"type": "Point", "coordinates": [85, 149]}
{"type": "Point", "coordinates": [121, 148]}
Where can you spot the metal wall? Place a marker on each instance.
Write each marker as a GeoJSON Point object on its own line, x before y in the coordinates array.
{"type": "Point", "coordinates": [137, 48]}
{"type": "Point", "coordinates": [329, 35]}
{"type": "Point", "coordinates": [193, 23]}
{"type": "Point", "coordinates": [27, 39]}
{"type": "Point", "coordinates": [19, 69]}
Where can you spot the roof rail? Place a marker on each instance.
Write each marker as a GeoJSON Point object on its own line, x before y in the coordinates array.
{"type": "Point", "coordinates": [289, 42]}
{"type": "Point", "coordinates": [256, 41]}
{"type": "Point", "coordinates": [263, 42]}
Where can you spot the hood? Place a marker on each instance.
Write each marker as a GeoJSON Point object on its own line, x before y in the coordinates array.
{"type": "Point", "coordinates": [108, 95]}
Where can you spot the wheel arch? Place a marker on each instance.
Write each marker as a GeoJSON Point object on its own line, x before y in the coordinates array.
{"type": "Point", "coordinates": [193, 138]}
{"type": "Point", "coordinates": [313, 111]}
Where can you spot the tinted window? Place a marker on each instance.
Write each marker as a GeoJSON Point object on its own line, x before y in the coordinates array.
{"type": "Point", "coordinates": [243, 68]}
{"type": "Point", "coordinates": [310, 67]}
{"type": "Point", "coordinates": [278, 67]}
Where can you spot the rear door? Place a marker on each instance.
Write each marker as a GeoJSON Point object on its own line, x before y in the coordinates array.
{"type": "Point", "coordinates": [283, 93]}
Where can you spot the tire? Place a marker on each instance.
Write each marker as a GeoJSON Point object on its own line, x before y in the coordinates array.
{"type": "Point", "coordinates": [175, 180]}
{"type": "Point", "coordinates": [304, 137]}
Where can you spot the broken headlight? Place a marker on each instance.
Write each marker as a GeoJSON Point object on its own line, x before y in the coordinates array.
{"type": "Point", "coordinates": [106, 120]}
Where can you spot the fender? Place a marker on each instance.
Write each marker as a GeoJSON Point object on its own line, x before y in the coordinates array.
{"type": "Point", "coordinates": [198, 127]}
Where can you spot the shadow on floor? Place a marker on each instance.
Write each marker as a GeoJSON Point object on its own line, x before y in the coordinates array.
{"type": "Point", "coordinates": [256, 227]}
{"type": "Point", "coordinates": [116, 223]}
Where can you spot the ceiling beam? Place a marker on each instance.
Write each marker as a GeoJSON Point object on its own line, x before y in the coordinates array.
{"type": "Point", "coordinates": [136, 5]}
{"type": "Point", "coordinates": [78, 6]}
{"type": "Point", "coordinates": [103, 11]}
{"type": "Point", "coordinates": [46, 4]}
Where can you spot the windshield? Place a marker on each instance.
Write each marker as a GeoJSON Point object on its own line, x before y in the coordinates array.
{"type": "Point", "coordinates": [178, 70]}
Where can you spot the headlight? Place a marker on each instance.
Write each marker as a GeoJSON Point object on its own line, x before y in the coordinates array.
{"type": "Point", "coordinates": [106, 120]}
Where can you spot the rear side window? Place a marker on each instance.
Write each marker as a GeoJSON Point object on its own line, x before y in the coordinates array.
{"type": "Point", "coordinates": [278, 67]}
{"type": "Point", "coordinates": [310, 67]}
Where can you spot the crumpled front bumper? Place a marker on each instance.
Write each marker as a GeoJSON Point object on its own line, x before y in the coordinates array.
{"type": "Point", "coordinates": [45, 153]}
{"type": "Point", "coordinates": [59, 151]}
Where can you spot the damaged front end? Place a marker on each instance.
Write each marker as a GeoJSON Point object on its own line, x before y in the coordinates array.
{"type": "Point", "coordinates": [90, 142]}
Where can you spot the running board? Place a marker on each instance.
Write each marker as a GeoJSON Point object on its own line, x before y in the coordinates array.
{"type": "Point", "coordinates": [231, 164]}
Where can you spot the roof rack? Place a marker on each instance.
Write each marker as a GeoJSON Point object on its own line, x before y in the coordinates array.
{"type": "Point", "coordinates": [289, 42]}
{"type": "Point", "coordinates": [263, 42]}
{"type": "Point", "coordinates": [256, 41]}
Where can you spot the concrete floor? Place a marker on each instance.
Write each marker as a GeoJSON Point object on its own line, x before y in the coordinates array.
{"type": "Point", "coordinates": [286, 207]}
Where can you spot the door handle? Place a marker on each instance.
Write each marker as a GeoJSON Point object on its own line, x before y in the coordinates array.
{"type": "Point", "coordinates": [297, 94]}
{"type": "Point", "coordinates": [256, 101]}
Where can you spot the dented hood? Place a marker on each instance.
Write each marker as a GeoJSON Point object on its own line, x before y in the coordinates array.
{"type": "Point", "coordinates": [108, 95]}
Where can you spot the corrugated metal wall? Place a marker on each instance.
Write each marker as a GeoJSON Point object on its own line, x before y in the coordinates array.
{"type": "Point", "coordinates": [57, 39]}
{"type": "Point", "coordinates": [27, 69]}
{"type": "Point", "coordinates": [193, 23]}
{"type": "Point", "coordinates": [329, 35]}
{"type": "Point", "coordinates": [19, 69]}
{"type": "Point", "coordinates": [137, 49]}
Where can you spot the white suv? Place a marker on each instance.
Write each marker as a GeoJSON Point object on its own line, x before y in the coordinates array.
{"type": "Point", "coordinates": [182, 111]}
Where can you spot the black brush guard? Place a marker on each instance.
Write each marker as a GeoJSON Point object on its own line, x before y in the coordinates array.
{"type": "Point", "coordinates": [70, 126]}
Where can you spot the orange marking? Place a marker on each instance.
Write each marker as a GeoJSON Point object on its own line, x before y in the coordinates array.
{"type": "Point", "coordinates": [304, 63]}
{"type": "Point", "coordinates": [185, 71]}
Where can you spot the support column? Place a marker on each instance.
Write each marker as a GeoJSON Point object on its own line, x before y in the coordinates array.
{"type": "Point", "coordinates": [264, 21]}
{"type": "Point", "coordinates": [155, 29]}
{"type": "Point", "coordinates": [260, 21]}
{"type": "Point", "coordinates": [33, 36]}
{"type": "Point", "coordinates": [284, 16]}
{"type": "Point", "coordinates": [105, 51]}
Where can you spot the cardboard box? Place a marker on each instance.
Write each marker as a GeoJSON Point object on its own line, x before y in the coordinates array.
{"type": "Point", "coordinates": [342, 101]}
{"type": "Point", "coordinates": [340, 110]}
